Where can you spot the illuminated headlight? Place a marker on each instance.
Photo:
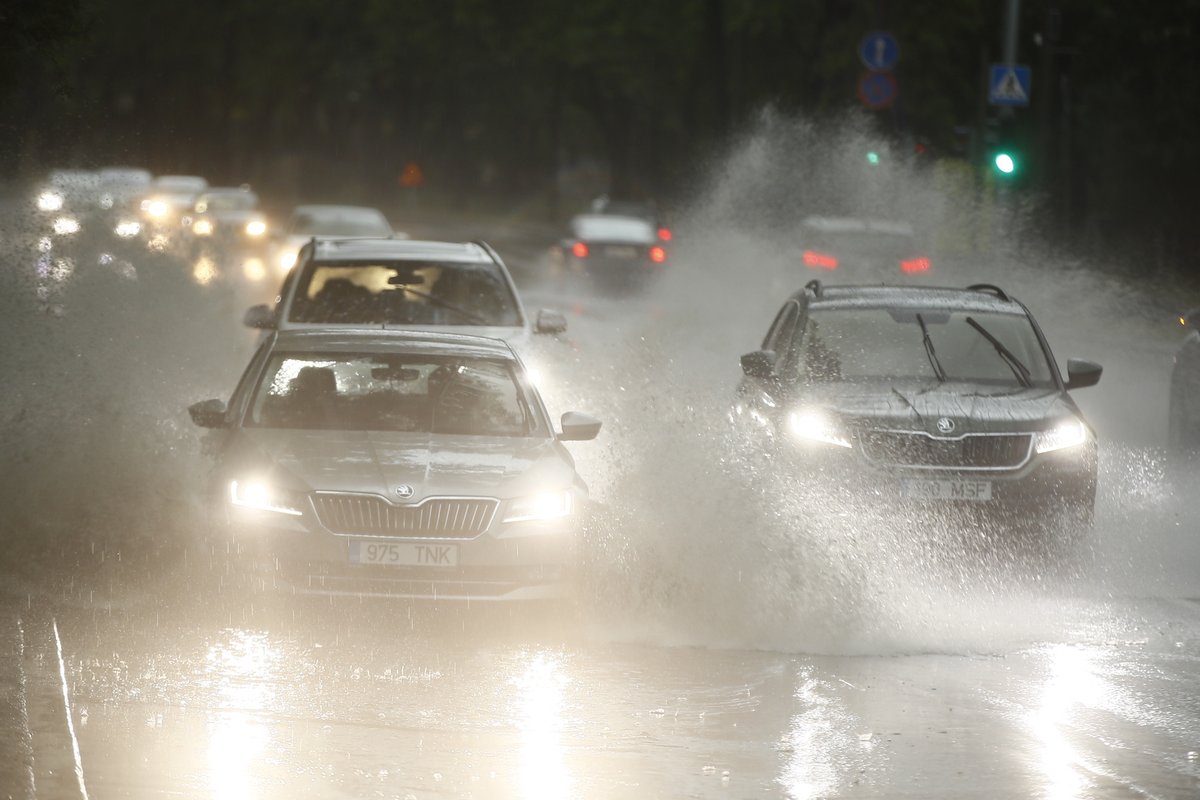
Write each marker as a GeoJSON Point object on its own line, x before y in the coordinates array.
{"type": "Point", "coordinates": [1071, 433]}
{"type": "Point", "coordinates": [204, 271]}
{"type": "Point", "coordinates": [254, 269]}
{"type": "Point", "coordinates": [50, 201]}
{"type": "Point", "coordinates": [256, 227]}
{"type": "Point", "coordinates": [814, 426]}
{"type": "Point", "coordinates": [203, 227]}
{"type": "Point", "coordinates": [546, 505]}
{"type": "Point", "coordinates": [65, 226]}
{"type": "Point", "coordinates": [128, 228]}
{"type": "Point", "coordinates": [260, 496]}
{"type": "Point", "coordinates": [287, 260]}
{"type": "Point", "coordinates": [156, 209]}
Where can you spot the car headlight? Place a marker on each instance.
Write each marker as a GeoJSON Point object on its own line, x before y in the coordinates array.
{"type": "Point", "coordinates": [256, 227]}
{"type": "Point", "coordinates": [1070, 433]}
{"type": "Point", "coordinates": [262, 497]}
{"type": "Point", "coordinates": [65, 226]}
{"type": "Point", "coordinates": [202, 227]}
{"type": "Point", "coordinates": [541, 506]}
{"type": "Point", "coordinates": [128, 228]}
{"type": "Point", "coordinates": [287, 260]}
{"type": "Point", "coordinates": [50, 201]}
{"type": "Point", "coordinates": [815, 426]}
{"type": "Point", "coordinates": [156, 209]}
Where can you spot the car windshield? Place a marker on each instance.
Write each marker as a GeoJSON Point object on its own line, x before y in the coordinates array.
{"type": "Point", "coordinates": [340, 223]}
{"type": "Point", "coordinates": [888, 344]}
{"type": "Point", "coordinates": [227, 201]}
{"type": "Point", "coordinates": [180, 184]}
{"type": "Point", "coordinates": [864, 242]}
{"type": "Point", "coordinates": [611, 228]}
{"type": "Point", "coordinates": [404, 293]}
{"type": "Point", "coordinates": [391, 392]}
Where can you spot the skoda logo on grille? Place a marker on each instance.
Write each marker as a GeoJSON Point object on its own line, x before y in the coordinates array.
{"type": "Point", "coordinates": [404, 491]}
{"type": "Point", "coordinates": [945, 425]}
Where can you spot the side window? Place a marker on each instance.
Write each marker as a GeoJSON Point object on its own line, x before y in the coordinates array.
{"type": "Point", "coordinates": [246, 383]}
{"type": "Point", "coordinates": [780, 336]}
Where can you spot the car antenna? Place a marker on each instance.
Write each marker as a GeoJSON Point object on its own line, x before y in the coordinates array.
{"type": "Point", "coordinates": [990, 289]}
{"type": "Point", "coordinates": [814, 286]}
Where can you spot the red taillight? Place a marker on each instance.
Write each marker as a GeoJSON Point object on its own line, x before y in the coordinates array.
{"type": "Point", "coordinates": [664, 234]}
{"type": "Point", "coordinates": [657, 254]}
{"type": "Point", "coordinates": [819, 260]}
{"type": "Point", "coordinates": [579, 250]}
{"type": "Point", "coordinates": [915, 265]}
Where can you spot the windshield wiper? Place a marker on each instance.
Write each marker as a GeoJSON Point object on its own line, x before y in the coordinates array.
{"type": "Point", "coordinates": [930, 352]}
{"type": "Point", "coordinates": [907, 402]}
{"type": "Point", "coordinates": [440, 303]}
{"type": "Point", "coordinates": [1014, 363]}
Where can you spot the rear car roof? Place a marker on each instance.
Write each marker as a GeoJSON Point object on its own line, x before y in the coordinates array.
{"type": "Point", "coordinates": [914, 297]}
{"type": "Point", "coordinates": [380, 249]}
{"type": "Point", "coordinates": [375, 340]}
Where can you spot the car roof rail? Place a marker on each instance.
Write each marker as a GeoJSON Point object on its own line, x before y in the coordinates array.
{"type": "Point", "coordinates": [990, 289]}
{"type": "Point", "coordinates": [813, 286]}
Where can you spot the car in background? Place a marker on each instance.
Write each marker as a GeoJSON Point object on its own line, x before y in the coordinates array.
{"type": "Point", "coordinates": [396, 463]}
{"type": "Point", "coordinates": [231, 230]}
{"type": "Point", "coordinates": [403, 284]}
{"type": "Point", "coordinates": [1183, 436]}
{"type": "Point", "coordinates": [942, 401]}
{"type": "Point", "coordinates": [121, 191]}
{"type": "Point", "coordinates": [642, 209]}
{"type": "Point", "coordinates": [65, 201]}
{"type": "Point", "coordinates": [166, 208]}
{"type": "Point", "coordinates": [863, 249]}
{"type": "Point", "coordinates": [332, 221]}
{"type": "Point", "coordinates": [610, 251]}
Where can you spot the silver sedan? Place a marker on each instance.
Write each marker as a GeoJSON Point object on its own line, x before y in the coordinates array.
{"type": "Point", "coordinates": [397, 463]}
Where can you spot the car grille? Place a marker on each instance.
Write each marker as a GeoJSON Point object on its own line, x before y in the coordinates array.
{"type": "Point", "coordinates": [915, 449]}
{"type": "Point", "coordinates": [436, 518]}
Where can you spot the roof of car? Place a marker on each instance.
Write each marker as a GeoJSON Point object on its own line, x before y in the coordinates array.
{"type": "Point", "coordinates": [378, 340]}
{"type": "Point", "coordinates": [912, 297]}
{"type": "Point", "coordinates": [367, 249]}
{"type": "Point", "coordinates": [857, 225]}
{"type": "Point", "coordinates": [336, 209]}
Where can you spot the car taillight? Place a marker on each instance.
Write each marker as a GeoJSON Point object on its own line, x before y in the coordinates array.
{"type": "Point", "coordinates": [664, 234]}
{"type": "Point", "coordinates": [658, 254]}
{"type": "Point", "coordinates": [819, 260]}
{"type": "Point", "coordinates": [579, 250]}
{"type": "Point", "coordinates": [915, 265]}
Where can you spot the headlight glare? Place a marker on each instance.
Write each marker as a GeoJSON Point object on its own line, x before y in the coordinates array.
{"type": "Point", "coordinates": [1070, 433]}
{"type": "Point", "coordinates": [128, 228]}
{"type": "Point", "coordinates": [156, 209]}
{"type": "Point", "coordinates": [262, 497]}
{"type": "Point", "coordinates": [50, 201]}
{"type": "Point", "coordinates": [256, 227]}
{"type": "Point", "coordinates": [202, 227]}
{"type": "Point", "coordinates": [815, 426]}
{"type": "Point", "coordinates": [541, 506]}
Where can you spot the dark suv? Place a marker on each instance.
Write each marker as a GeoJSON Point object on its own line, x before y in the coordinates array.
{"type": "Point", "coordinates": [924, 398]}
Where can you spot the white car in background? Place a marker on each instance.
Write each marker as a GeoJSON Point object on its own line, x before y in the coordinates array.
{"type": "Point", "coordinates": [326, 220]}
{"type": "Point", "coordinates": [167, 206]}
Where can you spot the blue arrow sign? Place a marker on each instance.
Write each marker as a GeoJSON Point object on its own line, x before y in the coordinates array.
{"type": "Point", "coordinates": [1008, 85]}
{"type": "Point", "coordinates": [879, 51]}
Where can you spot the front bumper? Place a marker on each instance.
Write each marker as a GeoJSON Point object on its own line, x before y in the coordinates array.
{"type": "Point", "coordinates": [510, 561]}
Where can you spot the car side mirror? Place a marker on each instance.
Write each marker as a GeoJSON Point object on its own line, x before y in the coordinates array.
{"type": "Point", "coordinates": [208, 413]}
{"type": "Point", "coordinates": [578, 427]}
{"type": "Point", "coordinates": [550, 321]}
{"type": "Point", "coordinates": [759, 364]}
{"type": "Point", "coordinates": [259, 316]}
{"type": "Point", "coordinates": [1082, 373]}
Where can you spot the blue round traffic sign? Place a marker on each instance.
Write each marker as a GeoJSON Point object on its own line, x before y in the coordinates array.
{"type": "Point", "coordinates": [877, 89]}
{"type": "Point", "coordinates": [879, 51]}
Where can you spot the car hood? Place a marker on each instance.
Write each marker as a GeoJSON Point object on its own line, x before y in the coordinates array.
{"type": "Point", "coordinates": [919, 405]}
{"type": "Point", "coordinates": [432, 464]}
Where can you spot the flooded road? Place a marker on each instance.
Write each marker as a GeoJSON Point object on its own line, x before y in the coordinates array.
{"type": "Point", "coordinates": [724, 643]}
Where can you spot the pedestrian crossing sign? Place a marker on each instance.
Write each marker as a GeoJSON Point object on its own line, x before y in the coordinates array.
{"type": "Point", "coordinates": [1008, 85]}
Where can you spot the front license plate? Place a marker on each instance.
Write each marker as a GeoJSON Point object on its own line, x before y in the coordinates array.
{"type": "Point", "coordinates": [946, 490]}
{"type": "Point", "coordinates": [621, 252]}
{"type": "Point", "coordinates": [403, 554]}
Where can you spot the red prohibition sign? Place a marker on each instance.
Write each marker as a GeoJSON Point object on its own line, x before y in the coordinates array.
{"type": "Point", "coordinates": [877, 89]}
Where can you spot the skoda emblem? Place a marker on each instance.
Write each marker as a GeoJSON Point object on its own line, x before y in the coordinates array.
{"type": "Point", "coordinates": [945, 425]}
{"type": "Point", "coordinates": [404, 491]}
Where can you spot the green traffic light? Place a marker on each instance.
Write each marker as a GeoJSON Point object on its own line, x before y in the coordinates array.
{"type": "Point", "coordinates": [1005, 163]}
{"type": "Point", "coordinates": [872, 157]}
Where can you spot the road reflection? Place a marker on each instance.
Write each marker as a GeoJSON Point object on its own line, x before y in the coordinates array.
{"type": "Point", "coordinates": [243, 669]}
{"type": "Point", "coordinates": [539, 718]}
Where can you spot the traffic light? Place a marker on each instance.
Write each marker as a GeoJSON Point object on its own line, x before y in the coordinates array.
{"type": "Point", "coordinates": [872, 158]}
{"type": "Point", "coordinates": [1005, 162]}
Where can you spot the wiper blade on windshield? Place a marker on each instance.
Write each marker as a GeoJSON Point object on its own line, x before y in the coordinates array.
{"type": "Point", "coordinates": [930, 353]}
{"type": "Point", "coordinates": [907, 402]}
{"type": "Point", "coordinates": [1014, 363]}
{"type": "Point", "coordinates": [440, 303]}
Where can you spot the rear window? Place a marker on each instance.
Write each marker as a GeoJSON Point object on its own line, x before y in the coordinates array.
{"type": "Point", "coordinates": [604, 228]}
{"type": "Point", "coordinates": [393, 392]}
{"type": "Point", "coordinates": [340, 223]}
{"type": "Point", "coordinates": [404, 293]}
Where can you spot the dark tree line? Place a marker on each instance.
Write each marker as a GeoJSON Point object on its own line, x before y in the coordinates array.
{"type": "Point", "coordinates": [499, 99]}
